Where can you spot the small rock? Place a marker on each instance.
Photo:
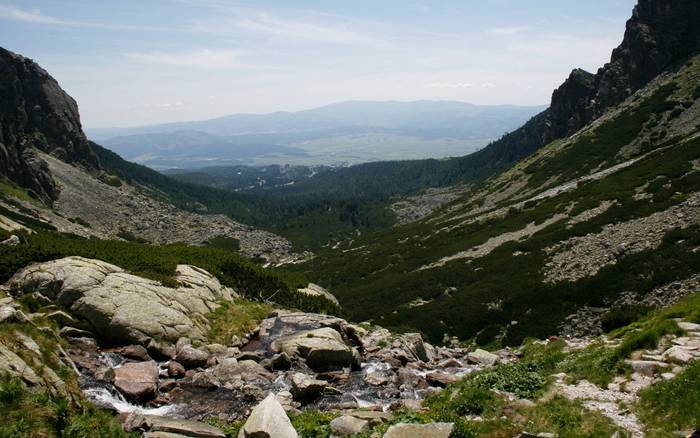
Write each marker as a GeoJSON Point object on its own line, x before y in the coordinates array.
{"type": "Point", "coordinates": [268, 420]}
{"type": "Point", "coordinates": [13, 240]}
{"type": "Point", "coordinates": [347, 425]}
{"type": "Point", "coordinates": [136, 352]}
{"type": "Point", "coordinates": [482, 357]}
{"type": "Point", "coordinates": [441, 379]}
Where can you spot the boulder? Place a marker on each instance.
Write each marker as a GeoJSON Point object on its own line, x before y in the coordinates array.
{"type": "Point", "coordinates": [137, 380]}
{"type": "Point", "coordinates": [432, 430]}
{"type": "Point", "coordinates": [482, 357]}
{"type": "Point", "coordinates": [136, 352]}
{"type": "Point", "coordinates": [281, 361]}
{"type": "Point", "coordinates": [346, 425]}
{"type": "Point", "coordinates": [120, 307]}
{"type": "Point", "coordinates": [175, 369]}
{"type": "Point", "coordinates": [191, 357]}
{"type": "Point", "coordinates": [268, 420]}
{"type": "Point", "coordinates": [161, 425]}
{"type": "Point", "coordinates": [322, 348]}
{"type": "Point", "coordinates": [441, 379]}
{"type": "Point", "coordinates": [413, 344]}
{"type": "Point", "coordinates": [305, 387]}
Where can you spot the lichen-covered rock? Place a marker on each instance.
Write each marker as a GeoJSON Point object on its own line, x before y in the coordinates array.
{"type": "Point", "coordinates": [268, 420]}
{"type": "Point", "coordinates": [120, 307]}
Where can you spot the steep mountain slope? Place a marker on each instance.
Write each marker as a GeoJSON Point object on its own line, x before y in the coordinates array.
{"type": "Point", "coordinates": [45, 156]}
{"type": "Point", "coordinates": [610, 210]}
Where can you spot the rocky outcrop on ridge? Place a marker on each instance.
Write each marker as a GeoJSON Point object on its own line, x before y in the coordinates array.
{"type": "Point", "coordinates": [35, 113]}
{"type": "Point", "coordinates": [659, 34]}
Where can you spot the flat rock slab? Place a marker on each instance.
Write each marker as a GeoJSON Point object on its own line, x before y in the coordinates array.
{"type": "Point", "coordinates": [432, 430]}
{"type": "Point", "coordinates": [163, 425]}
{"type": "Point", "coordinates": [322, 348]}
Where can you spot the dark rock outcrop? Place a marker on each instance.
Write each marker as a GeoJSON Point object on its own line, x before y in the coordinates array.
{"type": "Point", "coordinates": [35, 113]}
{"type": "Point", "coordinates": [660, 34]}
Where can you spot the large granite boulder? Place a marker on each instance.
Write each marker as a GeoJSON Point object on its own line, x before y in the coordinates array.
{"type": "Point", "coordinates": [268, 420]}
{"type": "Point", "coordinates": [124, 308]}
{"type": "Point", "coordinates": [322, 348]}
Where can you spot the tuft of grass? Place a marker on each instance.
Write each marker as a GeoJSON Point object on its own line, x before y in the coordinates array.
{"type": "Point", "coordinates": [235, 319]}
{"type": "Point", "coordinates": [672, 405]}
{"type": "Point", "coordinates": [313, 424]}
{"type": "Point", "coordinates": [35, 413]}
{"type": "Point", "coordinates": [9, 189]}
{"type": "Point", "coordinates": [567, 418]}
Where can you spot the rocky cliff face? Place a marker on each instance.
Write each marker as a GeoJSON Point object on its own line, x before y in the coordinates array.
{"type": "Point", "coordinates": [35, 113]}
{"type": "Point", "coordinates": [659, 34]}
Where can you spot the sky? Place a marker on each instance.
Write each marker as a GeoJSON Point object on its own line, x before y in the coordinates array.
{"type": "Point", "coordinates": [138, 62]}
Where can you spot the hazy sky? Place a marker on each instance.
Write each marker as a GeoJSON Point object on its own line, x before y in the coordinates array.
{"type": "Point", "coordinates": [134, 62]}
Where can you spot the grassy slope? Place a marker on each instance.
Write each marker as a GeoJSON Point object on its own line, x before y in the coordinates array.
{"type": "Point", "coordinates": [375, 277]}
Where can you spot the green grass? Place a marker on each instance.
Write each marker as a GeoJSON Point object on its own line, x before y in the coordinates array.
{"type": "Point", "coordinates": [33, 413]}
{"type": "Point", "coordinates": [9, 189]}
{"type": "Point", "coordinates": [672, 405]}
{"type": "Point", "coordinates": [313, 424]}
{"type": "Point", "coordinates": [235, 319]}
{"type": "Point", "coordinates": [599, 363]}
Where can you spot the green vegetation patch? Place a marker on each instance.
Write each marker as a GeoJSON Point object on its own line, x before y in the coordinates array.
{"type": "Point", "coordinates": [36, 413]}
{"type": "Point", "coordinates": [672, 405]}
{"type": "Point", "coordinates": [235, 319]}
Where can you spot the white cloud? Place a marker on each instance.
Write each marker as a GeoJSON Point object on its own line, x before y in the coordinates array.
{"type": "Point", "coordinates": [508, 30]}
{"type": "Point", "coordinates": [269, 26]}
{"type": "Point", "coordinates": [202, 58]}
{"type": "Point", "coordinates": [488, 85]}
{"type": "Point", "coordinates": [33, 16]}
{"type": "Point", "coordinates": [451, 85]}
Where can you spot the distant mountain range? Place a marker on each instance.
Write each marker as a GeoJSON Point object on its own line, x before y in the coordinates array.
{"type": "Point", "coordinates": [341, 133]}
